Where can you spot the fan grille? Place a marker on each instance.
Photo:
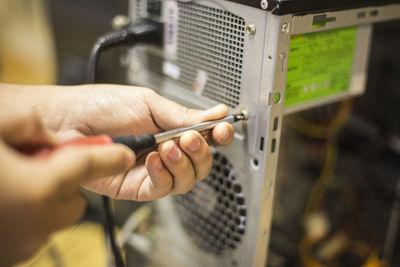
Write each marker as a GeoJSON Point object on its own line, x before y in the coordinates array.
{"type": "Point", "coordinates": [214, 211]}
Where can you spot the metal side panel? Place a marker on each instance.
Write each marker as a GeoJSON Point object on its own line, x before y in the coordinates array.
{"type": "Point", "coordinates": [225, 220]}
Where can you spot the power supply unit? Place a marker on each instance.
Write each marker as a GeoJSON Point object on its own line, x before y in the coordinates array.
{"type": "Point", "coordinates": [270, 58]}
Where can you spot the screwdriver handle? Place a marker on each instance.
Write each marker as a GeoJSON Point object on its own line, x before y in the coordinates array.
{"type": "Point", "coordinates": [91, 140]}
{"type": "Point", "coordinates": [136, 143]}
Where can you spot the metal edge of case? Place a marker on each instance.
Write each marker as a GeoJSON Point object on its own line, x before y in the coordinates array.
{"type": "Point", "coordinates": [285, 7]}
{"type": "Point", "coordinates": [273, 83]}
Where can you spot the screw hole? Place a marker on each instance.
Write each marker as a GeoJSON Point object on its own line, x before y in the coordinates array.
{"type": "Point", "coordinates": [373, 13]}
{"type": "Point", "coordinates": [254, 163]}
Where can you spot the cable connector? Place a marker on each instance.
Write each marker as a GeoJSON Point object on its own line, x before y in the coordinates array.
{"type": "Point", "coordinates": [144, 32]}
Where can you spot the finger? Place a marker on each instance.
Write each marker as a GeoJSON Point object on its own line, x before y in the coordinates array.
{"type": "Point", "coordinates": [158, 183]}
{"type": "Point", "coordinates": [74, 165]}
{"type": "Point", "coordinates": [21, 126]}
{"type": "Point", "coordinates": [193, 144]}
{"type": "Point", "coordinates": [179, 165]}
{"type": "Point", "coordinates": [222, 134]}
{"type": "Point", "coordinates": [178, 115]}
{"type": "Point", "coordinates": [214, 113]}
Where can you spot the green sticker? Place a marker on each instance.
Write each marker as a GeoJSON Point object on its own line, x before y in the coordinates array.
{"type": "Point", "coordinates": [320, 64]}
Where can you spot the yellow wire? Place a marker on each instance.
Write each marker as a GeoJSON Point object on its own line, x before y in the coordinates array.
{"type": "Point", "coordinates": [328, 132]}
{"type": "Point", "coordinates": [306, 254]}
{"type": "Point", "coordinates": [326, 177]}
{"type": "Point", "coordinates": [321, 131]}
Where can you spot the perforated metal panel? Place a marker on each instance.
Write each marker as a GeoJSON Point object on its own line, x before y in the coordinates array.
{"type": "Point", "coordinates": [214, 211]}
{"type": "Point", "coordinates": [210, 40]}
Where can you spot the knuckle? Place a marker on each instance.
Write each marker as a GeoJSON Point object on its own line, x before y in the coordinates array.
{"type": "Point", "coordinates": [148, 93]}
{"type": "Point", "coordinates": [205, 160]}
{"type": "Point", "coordinates": [169, 185]}
{"type": "Point", "coordinates": [187, 115]}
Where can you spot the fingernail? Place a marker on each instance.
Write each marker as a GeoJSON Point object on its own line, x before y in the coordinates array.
{"type": "Point", "coordinates": [174, 153]}
{"type": "Point", "coordinates": [194, 144]}
{"type": "Point", "coordinates": [129, 159]}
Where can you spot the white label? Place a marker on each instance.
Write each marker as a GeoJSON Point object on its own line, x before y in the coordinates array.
{"type": "Point", "coordinates": [171, 26]}
{"type": "Point", "coordinates": [171, 70]}
{"type": "Point", "coordinates": [200, 82]}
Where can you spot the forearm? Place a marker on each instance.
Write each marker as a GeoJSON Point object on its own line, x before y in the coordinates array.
{"type": "Point", "coordinates": [45, 100]}
{"type": "Point", "coordinates": [27, 95]}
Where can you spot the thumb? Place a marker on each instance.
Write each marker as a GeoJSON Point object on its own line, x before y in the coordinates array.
{"type": "Point", "coordinates": [168, 114]}
{"type": "Point", "coordinates": [75, 165]}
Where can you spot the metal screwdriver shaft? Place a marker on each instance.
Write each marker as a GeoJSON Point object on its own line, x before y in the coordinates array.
{"type": "Point", "coordinates": [147, 141]}
{"type": "Point", "coordinates": [164, 136]}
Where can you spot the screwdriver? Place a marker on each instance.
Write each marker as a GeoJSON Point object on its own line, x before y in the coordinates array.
{"type": "Point", "coordinates": [146, 141]}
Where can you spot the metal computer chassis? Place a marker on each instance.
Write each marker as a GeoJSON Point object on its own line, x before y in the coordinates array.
{"type": "Point", "coordinates": [225, 52]}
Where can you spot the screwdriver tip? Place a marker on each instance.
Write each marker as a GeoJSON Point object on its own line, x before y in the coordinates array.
{"type": "Point", "coordinates": [243, 115]}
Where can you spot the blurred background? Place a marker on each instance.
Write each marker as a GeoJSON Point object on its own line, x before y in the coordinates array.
{"type": "Point", "coordinates": [337, 200]}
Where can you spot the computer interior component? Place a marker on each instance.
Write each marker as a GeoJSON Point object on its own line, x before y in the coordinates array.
{"type": "Point", "coordinates": [239, 53]}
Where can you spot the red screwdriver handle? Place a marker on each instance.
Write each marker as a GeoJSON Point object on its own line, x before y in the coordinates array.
{"type": "Point", "coordinates": [86, 141]}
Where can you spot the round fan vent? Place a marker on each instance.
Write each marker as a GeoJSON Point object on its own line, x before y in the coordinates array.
{"type": "Point", "coordinates": [214, 211]}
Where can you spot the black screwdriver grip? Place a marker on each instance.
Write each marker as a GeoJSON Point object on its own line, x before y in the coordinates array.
{"type": "Point", "coordinates": [136, 143]}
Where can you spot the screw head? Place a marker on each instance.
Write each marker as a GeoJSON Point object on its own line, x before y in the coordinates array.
{"type": "Point", "coordinates": [285, 27]}
{"type": "Point", "coordinates": [264, 4]}
{"type": "Point", "coordinates": [251, 29]}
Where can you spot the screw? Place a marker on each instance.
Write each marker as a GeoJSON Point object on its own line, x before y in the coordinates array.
{"type": "Point", "coordinates": [120, 21]}
{"type": "Point", "coordinates": [264, 4]}
{"type": "Point", "coordinates": [251, 29]}
{"type": "Point", "coordinates": [285, 27]}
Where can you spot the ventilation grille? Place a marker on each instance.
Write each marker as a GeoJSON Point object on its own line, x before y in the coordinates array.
{"type": "Point", "coordinates": [213, 212]}
{"type": "Point", "coordinates": [210, 40]}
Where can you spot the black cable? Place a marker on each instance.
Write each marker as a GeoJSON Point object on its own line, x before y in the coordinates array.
{"type": "Point", "coordinates": [108, 226]}
{"type": "Point", "coordinates": [144, 32]}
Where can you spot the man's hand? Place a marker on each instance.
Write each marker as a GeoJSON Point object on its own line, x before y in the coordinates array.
{"type": "Point", "coordinates": [41, 195]}
{"type": "Point", "coordinates": [74, 112]}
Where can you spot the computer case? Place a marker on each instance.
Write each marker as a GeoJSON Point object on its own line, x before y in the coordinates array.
{"type": "Point", "coordinates": [237, 53]}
